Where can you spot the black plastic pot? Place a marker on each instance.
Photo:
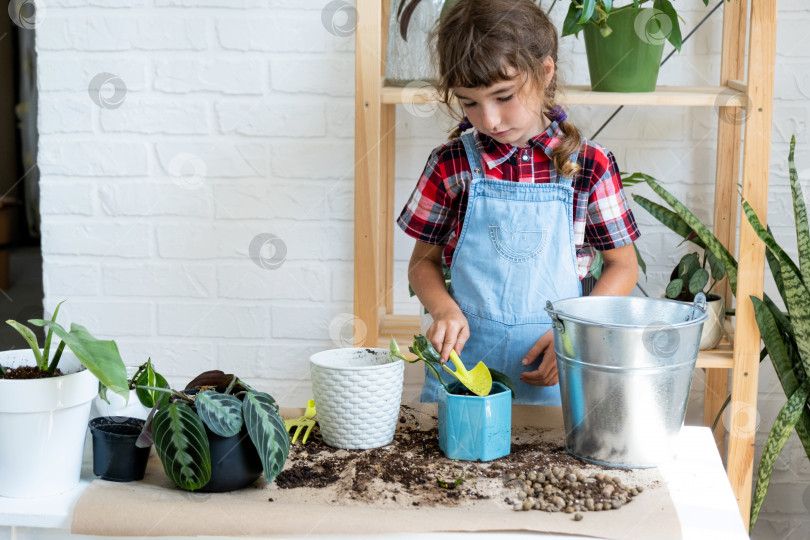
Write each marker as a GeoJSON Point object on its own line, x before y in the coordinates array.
{"type": "Point", "coordinates": [115, 456]}
{"type": "Point", "coordinates": [235, 463]}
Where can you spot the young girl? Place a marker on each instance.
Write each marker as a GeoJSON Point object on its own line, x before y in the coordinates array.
{"type": "Point", "coordinates": [514, 206]}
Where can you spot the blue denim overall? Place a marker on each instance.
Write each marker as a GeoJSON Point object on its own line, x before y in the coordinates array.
{"type": "Point", "coordinates": [516, 250]}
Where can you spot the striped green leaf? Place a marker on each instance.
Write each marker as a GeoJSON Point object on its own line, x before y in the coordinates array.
{"type": "Point", "coordinates": [221, 413]}
{"type": "Point", "coordinates": [773, 264]}
{"type": "Point", "coordinates": [800, 215]}
{"type": "Point", "coordinates": [267, 431]}
{"type": "Point", "coordinates": [709, 240]}
{"type": "Point", "coordinates": [182, 446]}
{"type": "Point", "coordinates": [780, 432]}
{"type": "Point", "coordinates": [765, 312]}
{"type": "Point", "coordinates": [797, 297]}
{"type": "Point", "coordinates": [640, 260]}
{"type": "Point", "coordinates": [666, 216]}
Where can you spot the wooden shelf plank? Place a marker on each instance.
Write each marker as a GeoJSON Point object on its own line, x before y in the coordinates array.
{"type": "Point", "coordinates": [689, 96]}
{"type": "Point", "coordinates": [404, 327]}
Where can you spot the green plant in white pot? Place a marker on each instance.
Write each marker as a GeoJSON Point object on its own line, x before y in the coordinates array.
{"type": "Point", "coordinates": [624, 44]}
{"type": "Point", "coordinates": [43, 420]}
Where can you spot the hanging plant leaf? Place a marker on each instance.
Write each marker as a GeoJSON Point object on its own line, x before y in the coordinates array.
{"type": "Point", "coordinates": [267, 431]}
{"type": "Point", "coordinates": [182, 446]}
{"type": "Point", "coordinates": [221, 413]}
{"type": "Point", "coordinates": [405, 18]}
{"type": "Point", "coordinates": [780, 432]}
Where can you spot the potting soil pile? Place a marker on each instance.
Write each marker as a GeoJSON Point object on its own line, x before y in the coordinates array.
{"type": "Point", "coordinates": [407, 486]}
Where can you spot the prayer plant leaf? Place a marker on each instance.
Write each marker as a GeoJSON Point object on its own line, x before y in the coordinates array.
{"type": "Point", "coordinates": [182, 445]}
{"type": "Point", "coordinates": [221, 413]}
{"type": "Point", "coordinates": [267, 431]}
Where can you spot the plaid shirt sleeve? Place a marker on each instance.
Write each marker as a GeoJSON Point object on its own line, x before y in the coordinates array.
{"type": "Point", "coordinates": [610, 223]}
{"type": "Point", "coordinates": [430, 213]}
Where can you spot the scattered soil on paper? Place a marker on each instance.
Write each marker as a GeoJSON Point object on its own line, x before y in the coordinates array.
{"type": "Point", "coordinates": [412, 471]}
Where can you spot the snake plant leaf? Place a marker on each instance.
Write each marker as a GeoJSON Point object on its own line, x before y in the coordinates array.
{"type": "Point", "coordinates": [698, 280]}
{"type": "Point", "coordinates": [267, 431]}
{"type": "Point", "coordinates": [221, 413]}
{"type": "Point", "coordinates": [780, 432]}
{"type": "Point", "coordinates": [797, 297]}
{"type": "Point", "coordinates": [781, 360]}
{"type": "Point", "coordinates": [800, 216]}
{"type": "Point", "coordinates": [182, 445]}
{"type": "Point", "coordinates": [46, 349]}
{"type": "Point", "coordinates": [100, 357]}
{"type": "Point", "coordinates": [674, 288]}
{"type": "Point", "coordinates": [709, 240]}
{"type": "Point", "coordinates": [640, 260]}
{"type": "Point", "coordinates": [717, 268]}
{"type": "Point", "coordinates": [31, 338]}
{"type": "Point", "coordinates": [773, 264]}
{"type": "Point", "coordinates": [667, 217]}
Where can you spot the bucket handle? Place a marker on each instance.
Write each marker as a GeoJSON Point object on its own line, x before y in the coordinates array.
{"type": "Point", "coordinates": [699, 305]}
{"type": "Point", "coordinates": [555, 319]}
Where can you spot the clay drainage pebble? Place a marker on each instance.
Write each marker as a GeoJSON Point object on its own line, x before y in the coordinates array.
{"type": "Point", "coordinates": [563, 490]}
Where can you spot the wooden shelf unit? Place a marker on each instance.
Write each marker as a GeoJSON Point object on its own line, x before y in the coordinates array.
{"type": "Point", "coordinates": [747, 110]}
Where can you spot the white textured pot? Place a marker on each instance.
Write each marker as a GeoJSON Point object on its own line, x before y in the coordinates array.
{"type": "Point", "coordinates": [713, 327]}
{"type": "Point", "coordinates": [117, 406]}
{"type": "Point", "coordinates": [357, 395]}
{"type": "Point", "coordinates": [42, 427]}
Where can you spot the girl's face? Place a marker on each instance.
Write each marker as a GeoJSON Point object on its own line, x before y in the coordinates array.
{"type": "Point", "coordinates": [509, 111]}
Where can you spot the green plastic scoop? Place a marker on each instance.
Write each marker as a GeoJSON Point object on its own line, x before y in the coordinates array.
{"type": "Point", "coordinates": [478, 380]}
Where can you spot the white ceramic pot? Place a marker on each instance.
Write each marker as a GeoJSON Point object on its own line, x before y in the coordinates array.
{"type": "Point", "coordinates": [117, 406]}
{"type": "Point", "coordinates": [713, 327]}
{"type": "Point", "coordinates": [357, 395]}
{"type": "Point", "coordinates": [42, 427]}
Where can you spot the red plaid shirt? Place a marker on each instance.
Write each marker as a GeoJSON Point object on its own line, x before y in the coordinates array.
{"type": "Point", "coordinates": [602, 219]}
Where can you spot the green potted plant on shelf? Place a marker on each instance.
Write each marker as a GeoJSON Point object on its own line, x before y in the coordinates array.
{"type": "Point", "coordinates": [624, 44]}
{"type": "Point", "coordinates": [217, 434]}
{"type": "Point", "coordinates": [786, 335]}
{"type": "Point", "coordinates": [693, 273]}
{"type": "Point", "coordinates": [45, 399]}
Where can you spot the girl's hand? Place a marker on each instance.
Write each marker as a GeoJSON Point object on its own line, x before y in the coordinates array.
{"type": "Point", "coordinates": [546, 373]}
{"type": "Point", "coordinates": [450, 330]}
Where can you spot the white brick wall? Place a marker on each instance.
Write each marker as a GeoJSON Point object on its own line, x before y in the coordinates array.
{"type": "Point", "coordinates": [238, 121]}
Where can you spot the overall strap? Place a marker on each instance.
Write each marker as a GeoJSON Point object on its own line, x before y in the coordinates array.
{"type": "Point", "coordinates": [473, 155]}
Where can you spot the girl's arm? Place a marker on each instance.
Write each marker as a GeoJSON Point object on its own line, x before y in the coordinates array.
{"type": "Point", "coordinates": [450, 329]}
{"type": "Point", "coordinates": [619, 273]}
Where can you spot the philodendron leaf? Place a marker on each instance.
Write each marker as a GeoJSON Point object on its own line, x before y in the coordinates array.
{"type": "Point", "coordinates": [182, 446]}
{"type": "Point", "coordinates": [267, 431]}
{"type": "Point", "coordinates": [46, 349]}
{"type": "Point", "coordinates": [780, 432]}
{"type": "Point", "coordinates": [504, 379]}
{"type": "Point", "coordinates": [100, 357]}
{"type": "Point", "coordinates": [221, 413]}
{"type": "Point", "coordinates": [31, 338]}
{"type": "Point", "coordinates": [150, 377]}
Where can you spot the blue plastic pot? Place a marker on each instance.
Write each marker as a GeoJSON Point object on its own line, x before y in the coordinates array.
{"type": "Point", "coordinates": [475, 428]}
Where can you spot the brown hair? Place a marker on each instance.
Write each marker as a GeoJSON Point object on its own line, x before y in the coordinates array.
{"type": "Point", "coordinates": [479, 42]}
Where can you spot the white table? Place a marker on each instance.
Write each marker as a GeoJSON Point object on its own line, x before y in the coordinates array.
{"type": "Point", "coordinates": [696, 479]}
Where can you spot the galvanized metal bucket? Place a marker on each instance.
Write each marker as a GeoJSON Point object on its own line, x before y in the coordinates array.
{"type": "Point", "coordinates": [625, 365]}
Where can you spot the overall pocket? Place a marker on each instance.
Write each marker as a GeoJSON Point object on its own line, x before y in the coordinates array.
{"type": "Point", "coordinates": [518, 246]}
